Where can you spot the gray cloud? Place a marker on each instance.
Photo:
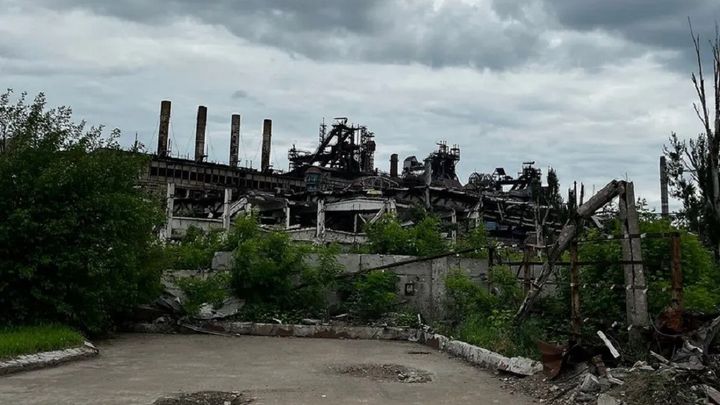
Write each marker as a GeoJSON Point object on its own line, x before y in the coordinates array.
{"type": "Point", "coordinates": [525, 81]}
{"type": "Point", "coordinates": [452, 33]}
{"type": "Point", "coordinates": [661, 24]}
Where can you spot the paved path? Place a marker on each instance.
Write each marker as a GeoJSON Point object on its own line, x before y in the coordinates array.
{"type": "Point", "coordinates": [137, 369]}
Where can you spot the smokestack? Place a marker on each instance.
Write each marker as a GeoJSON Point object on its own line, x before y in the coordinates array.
{"type": "Point", "coordinates": [394, 165]}
{"type": "Point", "coordinates": [665, 209]}
{"type": "Point", "coordinates": [162, 149]}
{"type": "Point", "coordinates": [234, 139]}
{"type": "Point", "coordinates": [267, 135]}
{"type": "Point", "coordinates": [200, 133]}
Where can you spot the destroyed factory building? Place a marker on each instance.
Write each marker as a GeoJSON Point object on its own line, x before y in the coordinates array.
{"type": "Point", "coordinates": [330, 193]}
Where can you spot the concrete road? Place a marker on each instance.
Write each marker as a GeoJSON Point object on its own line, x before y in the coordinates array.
{"type": "Point", "coordinates": [137, 369]}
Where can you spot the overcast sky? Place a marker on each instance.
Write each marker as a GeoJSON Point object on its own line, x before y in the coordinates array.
{"type": "Point", "coordinates": [591, 88]}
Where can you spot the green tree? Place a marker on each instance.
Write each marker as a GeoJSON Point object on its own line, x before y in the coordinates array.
{"type": "Point", "coordinates": [693, 166]}
{"type": "Point", "coordinates": [76, 233]}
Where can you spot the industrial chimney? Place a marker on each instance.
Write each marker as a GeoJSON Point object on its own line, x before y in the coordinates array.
{"type": "Point", "coordinates": [664, 207]}
{"type": "Point", "coordinates": [234, 139]}
{"type": "Point", "coordinates": [394, 165]}
{"type": "Point", "coordinates": [267, 135]}
{"type": "Point", "coordinates": [200, 133]}
{"type": "Point", "coordinates": [162, 149]}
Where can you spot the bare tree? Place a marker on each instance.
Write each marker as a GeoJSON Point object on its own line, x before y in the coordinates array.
{"type": "Point", "coordinates": [693, 165]}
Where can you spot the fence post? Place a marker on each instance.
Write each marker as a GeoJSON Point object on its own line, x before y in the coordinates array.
{"type": "Point", "coordinates": [576, 320]}
{"type": "Point", "coordinates": [676, 275]}
{"type": "Point", "coordinates": [527, 275]}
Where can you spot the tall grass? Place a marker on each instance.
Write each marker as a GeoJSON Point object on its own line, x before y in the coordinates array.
{"type": "Point", "coordinates": [16, 341]}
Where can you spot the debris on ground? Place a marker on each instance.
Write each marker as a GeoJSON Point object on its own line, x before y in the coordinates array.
{"type": "Point", "coordinates": [684, 372]}
{"type": "Point", "coordinates": [206, 398]}
{"type": "Point", "coordinates": [385, 372]}
{"type": "Point", "coordinates": [230, 306]}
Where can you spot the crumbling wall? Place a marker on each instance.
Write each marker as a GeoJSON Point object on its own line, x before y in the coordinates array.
{"type": "Point", "coordinates": [420, 283]}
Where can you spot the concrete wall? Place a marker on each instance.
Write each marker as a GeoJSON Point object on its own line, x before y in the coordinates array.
{"type": "Point", "coordinates": [420, 284]}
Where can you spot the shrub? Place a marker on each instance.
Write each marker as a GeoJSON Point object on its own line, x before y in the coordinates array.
{"type": "Point", "coordinates": [464, 298]}
{"type": "Point", "coordinates": [373, 294]}
{"type": "Point", "coordinates": [270, 270]}
{"type": "Point", "coordinates": [388, 236]}
{"type": "Point", "coordinates": [475, 239]}
{"type": "Point", "coordinates": [195, 251]}
{"type": "Point", "coordinates": [212, 290]}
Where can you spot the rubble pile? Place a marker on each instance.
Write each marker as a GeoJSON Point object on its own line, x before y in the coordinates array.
{"type": "Point", "coordinates": [643, 383]}
{"type": "Point", "coordinates": [689, 375]}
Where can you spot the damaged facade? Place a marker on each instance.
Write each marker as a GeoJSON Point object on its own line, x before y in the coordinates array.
{"type": "Point", "coordinates": [330, 193]}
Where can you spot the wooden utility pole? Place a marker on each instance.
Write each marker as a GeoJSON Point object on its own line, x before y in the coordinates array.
{"type": "Point", "coordinates": [575, 317]}
{"type": "Point", "coordinates": [676, 275]}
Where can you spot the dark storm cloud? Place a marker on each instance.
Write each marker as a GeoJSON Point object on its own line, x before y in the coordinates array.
{"type": "Point", "coordinates": [662, 24]}
{"type": "Point", "coordinates": [404, 32]}
{"type": "Point", "coordinates": [498, 34]}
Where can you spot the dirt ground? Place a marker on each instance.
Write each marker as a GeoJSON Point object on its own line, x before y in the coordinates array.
{"type": "Point", "coordinates": [140, 369]}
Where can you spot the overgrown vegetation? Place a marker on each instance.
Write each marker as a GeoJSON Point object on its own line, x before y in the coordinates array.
{"type": "Point", "coordinates": [270, 270]}
{"type": "Point", "coordinates": [372, 295]}
{"type": "Point", "coordinates": [19, 340]}
{"type": "Point", "coordinates": [483, 316]}
{"type": "Point", "coordinates": [76, 234]}
{"type": "Point", "coordinates": [388, 236]}
{"type": "Point", "coordinates": [603, 296]}
{"type": "Point", "coordinates": [213, 290]}
{"type": "Point", "coordinates": [196, 249]}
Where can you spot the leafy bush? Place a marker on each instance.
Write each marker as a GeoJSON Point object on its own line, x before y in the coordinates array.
{"type": "Point", "coordinates": [212, 290]}
{"type": "Point", "coordinates": [505, 284]}
{"type": "Point", "coordinates": [195, 251]}
{"type": "Point", "coordinates": [388, 236]}
{"type": "Point", "coordinates": [373, 294]}
{"type": "Point", "coordinates": [271, 270]}
{"type": "Point", "coordinates": [475, 239]}
{"type": "Point", "coordinates": [464, 298]}
{"type": "Point", "coordinates": [76, 234]}
{"type": "Point", "coordinates": [484, 319]}
{"type": "Point", "coordinates": [604, 305]}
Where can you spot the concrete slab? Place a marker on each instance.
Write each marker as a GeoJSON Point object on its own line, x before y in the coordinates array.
{"type": "Point", "coordinates": [137, 369]}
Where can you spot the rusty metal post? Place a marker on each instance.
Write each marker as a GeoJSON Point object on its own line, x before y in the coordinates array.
{"type": "Point", "coordinates": [676, 275]}
{"type": "Point", "coordinates": [266, 142]}
{"type": "Point", "coordinates": [200, 133]}
{"type": "Point", "coordinates": [575, 318]}
{"type": "Point", "coordinates": [162, 149]}
{"type": "Point", "coordinates": [234, 139]}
